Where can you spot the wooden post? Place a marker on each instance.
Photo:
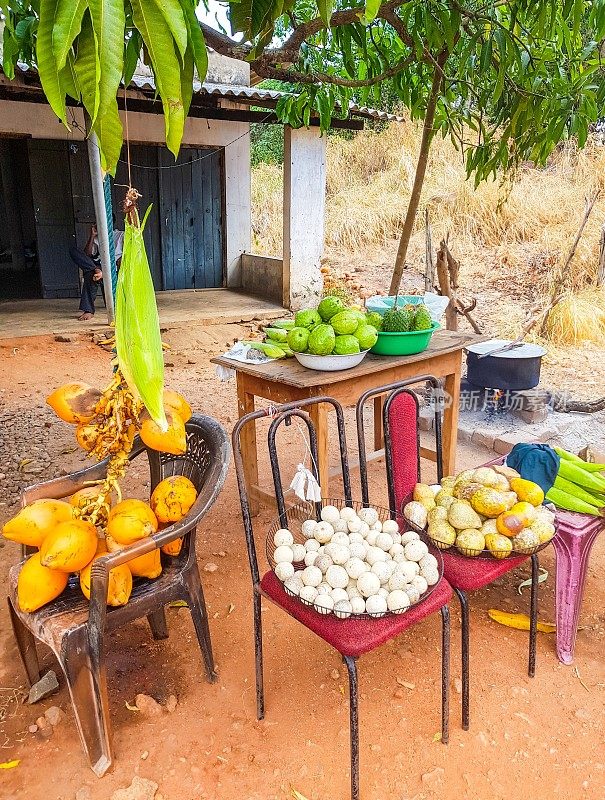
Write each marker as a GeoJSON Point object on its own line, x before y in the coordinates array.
{"type": "Point", "coordinates": [98, 196]}
{"type": "Point", "coordinates": [443, 276]}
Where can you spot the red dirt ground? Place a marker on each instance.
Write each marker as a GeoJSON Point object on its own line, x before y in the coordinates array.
{"type": "Point", "coordinates": [528, 738]}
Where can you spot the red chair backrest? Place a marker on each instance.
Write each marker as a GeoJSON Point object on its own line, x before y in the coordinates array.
{"type": "Point", "coordinates": [402, 447]}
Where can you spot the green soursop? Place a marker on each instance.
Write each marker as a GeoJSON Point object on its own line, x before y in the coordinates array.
{"type": "Point", "coordinates": [321, 340]}
{"type": "Point", "coordinates": [346, 345]}
{"type": "Point", "coordinates": [422, 319]}
{"type": "Point", "coordinates": [398, 320]}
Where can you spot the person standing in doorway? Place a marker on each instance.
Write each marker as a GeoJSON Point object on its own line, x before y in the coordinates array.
{"type": "Point", "coordinates": [89, 261]}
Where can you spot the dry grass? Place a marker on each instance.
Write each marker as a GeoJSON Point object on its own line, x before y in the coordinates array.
{"type": "Point", "coordinates": [528, 225]}
{"type": "Point", "coordinates": [578, 318]}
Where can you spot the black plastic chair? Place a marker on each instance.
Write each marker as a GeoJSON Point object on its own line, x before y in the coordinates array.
{"type": "Point", "coordinates": [350, 637]}
{"type": "Point", "coordinates": [75, 629]}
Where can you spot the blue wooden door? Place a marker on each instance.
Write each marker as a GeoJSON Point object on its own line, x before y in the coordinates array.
{"type": "Point", "coordinates": [53, 209]}
{"type": "Point", "coordinates": [191, 218]}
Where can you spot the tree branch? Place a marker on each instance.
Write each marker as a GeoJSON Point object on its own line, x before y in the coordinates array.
{"type": "Point", "coordinates": [265, 70]}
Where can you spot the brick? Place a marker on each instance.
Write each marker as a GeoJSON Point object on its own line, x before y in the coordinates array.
{"type": "Point", "coordinates": [464, 434]}
{"type": "Point", "coordinates": [534, 417]}
{"type": "Point", "coordinates": [505, 442]}
{"type": "Point", "coordinates": [483, 437]}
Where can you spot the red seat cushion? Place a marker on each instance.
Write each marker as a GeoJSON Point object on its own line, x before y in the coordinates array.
{"type": "Point", "coordinates": [475, 573]}
{"type": "Point", "coordinates": [352, 637]}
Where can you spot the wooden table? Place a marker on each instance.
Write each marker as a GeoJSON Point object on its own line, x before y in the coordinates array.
{"type": "Point", "coordinates": [286, 380]}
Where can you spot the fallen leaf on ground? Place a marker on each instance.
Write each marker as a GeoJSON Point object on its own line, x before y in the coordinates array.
{"type": "Point", "coordinates": [526, 584]}
{"type": "Point", "coordinates": [297, 795]}
{"type": "Point", "coordinates": [129, 707]}
{"type": "Point", "coordinates": [10, 764]}
{"type": "Point", "coordinates": [178, 604]}
{"type": "Point", "coordinates": [437, 737]}
{"type": "Point", "coordinates": [519, 621]}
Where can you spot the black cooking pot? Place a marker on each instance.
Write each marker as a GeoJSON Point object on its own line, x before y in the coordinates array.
{"type": "Point", "coordinates": [514, 370]}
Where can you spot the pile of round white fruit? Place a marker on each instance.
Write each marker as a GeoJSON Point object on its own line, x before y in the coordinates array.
{"type": "Point", "coordinates": [352, 563]}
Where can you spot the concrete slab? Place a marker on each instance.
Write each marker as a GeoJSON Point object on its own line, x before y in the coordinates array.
{"type": "Point", "coordinates": [187, 307]}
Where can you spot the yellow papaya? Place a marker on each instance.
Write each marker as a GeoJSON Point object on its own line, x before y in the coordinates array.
{"type": "Point", "coordinates": [527, 491]}
{"type": "Point", "coordinates": [37, 585]}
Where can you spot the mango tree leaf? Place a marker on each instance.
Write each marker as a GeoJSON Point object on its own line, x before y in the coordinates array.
{"type": "Point", "coordinates": [187, 80]}
{"type": "Point", "coordinates": [173, 14]}
{"type": "Point", "coordinates": [110, 135]}
{"type": "Point", "coordinates": [371, 9]}
{"type": "Point", "coordinates": [68, 22]}
{"type": "Point", "coordinates": [10, 53]}
{"type": "Point", "coordinates": [68, 78]}
{"type": "Point", "coordinates": [325, 8]}
{"type": "Point", "coordinates": [45, 58]}
{"type": "Point", "coordinates": [108, 21]}
{"type": "Point", "coordinates": [88, 68]}
{"type": "Point", "coordinates": [196, 39]}
{"type": "Point", "coordinates": [132, 53]}
{"type": "Point", "coordinates": [166, 68]}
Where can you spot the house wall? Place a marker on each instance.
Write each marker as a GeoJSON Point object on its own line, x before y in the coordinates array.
{"type": "Point", "coordinates": [38, 121]}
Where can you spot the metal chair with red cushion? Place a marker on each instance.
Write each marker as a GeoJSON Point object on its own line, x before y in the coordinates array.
{"type": "Point", "coordinates": [350, 637]}
{"type": "Point", "coordinates": [402, 457]}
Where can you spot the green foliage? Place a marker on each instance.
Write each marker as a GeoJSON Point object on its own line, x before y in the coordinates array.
{"type": "Point", "coordinates": [516, 77]}
{"type": "Point", "coordinates": [266, 144]}
{"type": "Point", "coordinates": [86, 49]}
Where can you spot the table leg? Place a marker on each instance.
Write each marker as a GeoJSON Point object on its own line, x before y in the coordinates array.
{"type": "Point", "coordinates": [378, 431]}
{"type": "Point", "coordinates": [319, 416]}
{"type": "Point", "coordinates": [450, 419]}
{"type": "Point", "coordinates": [573, 553]}
{"type": "Point", "coordinates": [245, 405]}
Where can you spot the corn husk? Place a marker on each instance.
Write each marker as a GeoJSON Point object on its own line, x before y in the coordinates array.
{"type": "Point", "coordinates": [138, 341]}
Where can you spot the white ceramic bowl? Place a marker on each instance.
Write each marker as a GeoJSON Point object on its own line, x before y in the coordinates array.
{"type": "Point", "coordinates": [331, 363]}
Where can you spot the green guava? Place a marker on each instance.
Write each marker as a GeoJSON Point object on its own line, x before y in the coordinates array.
{"type": "Point", "coordinates": [345, 345]}
{"type": "Point", "coordinates": [330, 306]}
{"type": "Point", "coordinates": [344, 322]}
{"type": "Point", "coordinates": [298, 339]}
{"type": "Point", "coordinates": [321, 340]}
{"type": "Point", "coordinates": [367, 336]}
{"type": "Point", "coordinates": [307, 318]}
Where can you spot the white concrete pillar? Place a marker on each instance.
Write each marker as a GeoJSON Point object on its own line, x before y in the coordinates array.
{"type": "Point", "coordinates": [238, 198]}
{"type": "Point", "coordinates": [304, 212]}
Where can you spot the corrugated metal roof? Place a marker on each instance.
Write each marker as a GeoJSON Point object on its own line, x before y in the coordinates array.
{"type": "Point", "coordinates": [256, 96]}
{"type": "Point", "coordinates": [247, 94]}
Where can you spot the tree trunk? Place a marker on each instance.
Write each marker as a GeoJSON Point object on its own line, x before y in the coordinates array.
{"type": "Point", "coordinates": [429, 269]}
{"type": "Point", "coordinates": [601, 270]}
{"type": "Point", "coordinates": [423, 157]}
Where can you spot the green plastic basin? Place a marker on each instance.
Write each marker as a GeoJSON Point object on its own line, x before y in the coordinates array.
{"type": "Point", "coordinates": [403, 344]}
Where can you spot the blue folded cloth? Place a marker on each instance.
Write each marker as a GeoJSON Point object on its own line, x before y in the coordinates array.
{"type": "Point", "coordinates": [535, 462]}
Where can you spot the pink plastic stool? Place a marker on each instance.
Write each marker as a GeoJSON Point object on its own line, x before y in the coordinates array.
{"type": "Point", "coordinates": [574, 540]}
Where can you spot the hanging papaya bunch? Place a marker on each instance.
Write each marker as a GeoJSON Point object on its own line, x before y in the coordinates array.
{"type": "Point", "coordinates": [85, 49]}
